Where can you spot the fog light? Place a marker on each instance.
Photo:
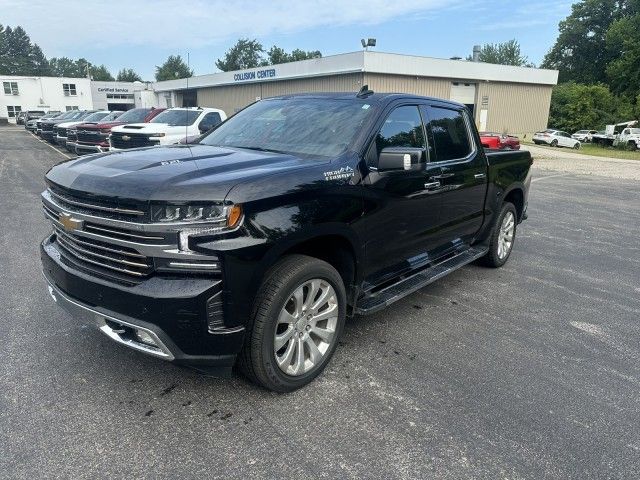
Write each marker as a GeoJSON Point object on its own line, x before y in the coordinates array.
{"type": "Point", "coordinates": [144, 337]}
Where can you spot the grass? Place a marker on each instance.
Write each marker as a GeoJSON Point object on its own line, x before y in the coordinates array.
{"type": "Point", "coordinates": [598, 151]}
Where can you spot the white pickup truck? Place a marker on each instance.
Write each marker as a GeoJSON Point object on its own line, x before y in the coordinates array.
{"type": "Point", "coordinates": [169, 127]}
{"type": "Point", "coordinates": [629, 137]}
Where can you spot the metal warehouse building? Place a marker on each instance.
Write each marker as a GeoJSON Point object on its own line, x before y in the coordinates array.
{"type": "Point", "coordinates": [502, 98]}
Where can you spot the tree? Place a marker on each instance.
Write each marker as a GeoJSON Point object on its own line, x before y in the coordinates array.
{"type": "Point", "coordinates": [63, 67]}
{"type": "Point", "coordinates": [623, 38]}
{"type": "Point", "coordinates": [277, 55]}
{"type": "Point", "coordinates": [576, 106]}
{"type": "Point", "coordinates": [244, 54]}
{"type": "Point", "coordinates": [18, 56]}
{"type": "Point", "coordinates": [174, 67]}
{"type": "Point", "coordinates": [128, 75]}
{"type": "Point", "coordinates": [580, 52]}
{"type": "Point", "coordinates": [507, 53]}
{"type": "Point", "coordinates": [100, 73]}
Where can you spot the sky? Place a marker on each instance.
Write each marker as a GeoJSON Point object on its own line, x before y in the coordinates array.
{"type": "Point", "coordinates": [141, 34]}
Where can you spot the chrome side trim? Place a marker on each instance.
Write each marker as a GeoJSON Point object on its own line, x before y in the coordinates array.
{"type": "Point", "coordinates": [90, 315]}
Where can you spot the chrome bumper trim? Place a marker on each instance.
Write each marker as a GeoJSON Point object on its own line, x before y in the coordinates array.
{"type": "Point", "coordinates": [89, 315]}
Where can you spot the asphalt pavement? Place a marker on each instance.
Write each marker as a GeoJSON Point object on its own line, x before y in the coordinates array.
{"type": "Point", "coordinates": [529, 371]}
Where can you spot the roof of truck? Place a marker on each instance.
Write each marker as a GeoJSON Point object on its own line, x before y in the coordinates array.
{"type": "Point", "coordinates": [371, 98]}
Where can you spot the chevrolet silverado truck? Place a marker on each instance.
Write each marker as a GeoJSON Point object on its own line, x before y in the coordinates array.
{"type": "Point", "coordinates": [251, 247]}
{"type": "Point", "coordinates": [170, 127]}
{"type": "Point", "coordinates": [61, 130]}
{"type": "Point", "coordinates": [94, 138]}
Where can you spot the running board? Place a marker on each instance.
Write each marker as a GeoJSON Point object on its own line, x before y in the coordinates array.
{"type": "Point", "coordinates": [408, 285]}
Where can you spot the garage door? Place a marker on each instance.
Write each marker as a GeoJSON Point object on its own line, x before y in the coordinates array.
{"type": "Point", "coordinates": [464, 93]}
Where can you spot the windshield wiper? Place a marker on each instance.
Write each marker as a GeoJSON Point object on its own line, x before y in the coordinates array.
{"type": "Point", "coordinates": [261, 149]}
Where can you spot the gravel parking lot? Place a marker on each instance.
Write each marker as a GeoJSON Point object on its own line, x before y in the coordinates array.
{"type": "Point", "coordinates": [529, 371]}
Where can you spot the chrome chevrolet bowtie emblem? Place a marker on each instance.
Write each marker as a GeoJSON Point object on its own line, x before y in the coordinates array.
{"type": "Point", "coordinates": [69, 223]}
{"type": "Point", "coordinates": [126, 138]}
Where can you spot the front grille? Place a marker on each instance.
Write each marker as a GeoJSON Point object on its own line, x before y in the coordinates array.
{"type": "Point", "coordinates": [47, 127]}
{"type": "Point", "coordinates": [90, 136]}
{"type": "Point", "coordinates": [61, 132]}
{"type": "Point", "coordinates": [88, 252]}
{"type": "Point", "coordinates": [131, 140]}
{"type": "Point", "coordinates": [72, 135]}
{"type": "Point", "coordinates": [110, 209]}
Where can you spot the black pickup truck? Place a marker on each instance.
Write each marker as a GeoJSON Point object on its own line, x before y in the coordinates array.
{"type": "Point", "coordinates": [251, 247]}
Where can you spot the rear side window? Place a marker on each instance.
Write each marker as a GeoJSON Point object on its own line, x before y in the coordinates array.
{"type": "Point", "coordinates": [210, 120]}
{"type": "Point", "coordinates": [402, 128]}
{"type": "Point", "coordinates": [450, 134]}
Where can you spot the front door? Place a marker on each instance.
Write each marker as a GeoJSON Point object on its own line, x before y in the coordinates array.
{"type": "Point", "coordinates": [402, 209]}
{"type": "Point", "coordinates": [463, 173]}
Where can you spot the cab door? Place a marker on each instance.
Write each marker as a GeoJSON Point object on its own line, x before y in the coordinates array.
{"type": "Point", "coordinates": [402, 205]}
{"type": "Point", "coordinates": [463, 173]}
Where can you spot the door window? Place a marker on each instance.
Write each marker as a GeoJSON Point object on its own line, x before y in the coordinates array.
{"type": "Point", "coordinates": [210, 120]}
{"type": "Point", "coordinates": [402, 128]}
{"type": "Point", "coordinates": [450, 134]}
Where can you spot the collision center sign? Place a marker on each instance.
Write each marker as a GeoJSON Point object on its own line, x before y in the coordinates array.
{"type": "Point", "coordinates": [255, 75]}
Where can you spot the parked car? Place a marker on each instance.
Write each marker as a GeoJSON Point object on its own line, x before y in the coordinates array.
{"type": "Point", "coordinates": [94, 138]}
{"type": "Point", "coordinates": [60, 129]}
{"type": "Point", "coordinates": [496, 141]}
{"type": "Point", "coordinates": [32, 124]}
{"type": "Point", "coordinates": [630, 138]}
{"type": "Point", "coordinates": [584, 136]}
{"type": "Point", "coordinates": [167, 128]}
{"type": "Point", "coordinates": [20, 118]}
{"type": "Point", "coordinates": [555, 138]}
{"type": "Point", "coordinates": [255, 243]}
{"type": "Point", "coordinates": [72, 133]}
{"type": "Point", "coordinates": [46, 127]}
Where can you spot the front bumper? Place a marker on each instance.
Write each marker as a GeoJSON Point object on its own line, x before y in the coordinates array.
{"type": "Point", "coordinates": [81, 148]}
{"type": "Point", "coordinates": [62, 141]}
{"type": "Point", "coordinates": [171, 310]}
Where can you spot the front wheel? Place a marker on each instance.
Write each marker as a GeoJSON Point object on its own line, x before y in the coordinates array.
{"type": "Point", "coordinates": [502, 237]}
{"type": "Point", "coordinates": [576, 146]}
{"type": "Point", "coordinates": [554, 143]}
{"type": "Point", "coordinates": [298, 317]}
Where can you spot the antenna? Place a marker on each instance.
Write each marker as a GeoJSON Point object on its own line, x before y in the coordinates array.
{"type": "Point", "coordinates": [186, 120]}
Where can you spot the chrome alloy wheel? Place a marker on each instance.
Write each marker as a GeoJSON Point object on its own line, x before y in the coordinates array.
{"type": "Point", "coordinates": [306, 327]}
{"type": "Point", "coordinates": [505, 237]}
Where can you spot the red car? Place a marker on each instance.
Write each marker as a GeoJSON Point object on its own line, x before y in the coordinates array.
{"type": "Point", "coordinates": [496, 141]}
{"type": "Point", "coordinates": [92, 137]}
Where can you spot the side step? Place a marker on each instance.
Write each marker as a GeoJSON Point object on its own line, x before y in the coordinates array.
{"type": "Point", "coordinates": [393, 293]}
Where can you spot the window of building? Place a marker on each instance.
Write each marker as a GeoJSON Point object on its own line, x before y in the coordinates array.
{"type": "Point", "coordinates": [169, 100]}
{"type": "Point", "coordinates": [69, 89]}
{"type": "Point", "coordinates": [13, 111]}
{"type": "Point", "coordinates": [71, 107]}
{"type": "Point", "coordinates": [120, 96]}
{"type": "Point", "coordinates": [402, 128]}
{"type": "Point", "coordinates": [10, 88]}
{"type": "Point", "coordinates": [450, 134]}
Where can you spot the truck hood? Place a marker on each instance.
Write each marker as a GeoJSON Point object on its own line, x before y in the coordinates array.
{"type": "Point", "coordinates": [70, 124]}
{"type": "Point", "coordinates": [174, 173]}
{"type": "Point", "coordinates": [101, 125]}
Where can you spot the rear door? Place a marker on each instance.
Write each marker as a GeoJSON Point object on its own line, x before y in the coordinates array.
{"type": "Point", "coordinates": [463, 173]}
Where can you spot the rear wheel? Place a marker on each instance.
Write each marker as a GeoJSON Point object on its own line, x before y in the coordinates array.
{"type": "Point", "coordinates": [298, 317]}
{"type": "Point", "coordinates": [632, 145]}
{"type": "Point", "coordinates": [502, 237]}
{"type": "Point", "coordinates": [554, 143]}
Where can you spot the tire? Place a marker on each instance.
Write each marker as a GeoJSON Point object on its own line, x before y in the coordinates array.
{"type": "Point", "coordinates": [554, 143]}
{"type": "Point", "coordinates": [259, 360]}
{"type": "Point", "coordinates": [576, 146]}
{"type": "Point", "coordinates": [632, 146]}
{"type": "Point", "coordinates": [495, 257]}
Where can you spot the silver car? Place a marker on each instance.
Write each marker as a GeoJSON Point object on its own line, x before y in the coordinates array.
{"type": "Point", "coordinates": [584, 136]}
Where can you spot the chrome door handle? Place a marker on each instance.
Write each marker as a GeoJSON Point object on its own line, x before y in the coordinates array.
{"type": "Point", "coordinates": [431, 185]}
{"type": "Point", "coordinates": [443, 176]}
{"type": "Point", "coordinates": [480, 175]}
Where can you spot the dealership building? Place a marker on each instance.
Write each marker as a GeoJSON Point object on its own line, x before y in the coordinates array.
{"type": "Point", "coordinates": [501, 98]}
{"type": "Point", "coordinates": [21, 93]}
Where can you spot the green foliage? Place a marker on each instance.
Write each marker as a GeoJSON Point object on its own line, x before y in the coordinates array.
{"type": "Point", "coordinates": [128, 75]}
{"type": "Point", "coordinates": [506, 53]}
{"type": "Point", "coordinates": [581, 52]}
{"type": "Point", "coordinates": [576, 106]}
{"type": "Point", "coordinates": [244, 54]}
{"type": "Point", "coordinates": [623, 37]}
{"type": "Point", "coordinates": [66, 67]}
{"type": "Point", "coordinates": [249, 54]}
{"type": "Point", "coordinates": [174, 67]}
{"type": "Point", "coordinates": [100, 73]}
{"type": "Point", "coordinates": [18, 56]}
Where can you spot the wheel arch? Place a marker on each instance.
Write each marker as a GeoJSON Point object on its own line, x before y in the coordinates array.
{"type": "Point", "coordinates": [516, 196]}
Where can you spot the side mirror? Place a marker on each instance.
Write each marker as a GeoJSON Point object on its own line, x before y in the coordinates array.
{"type": "Point", "coordinates": [400, 158]}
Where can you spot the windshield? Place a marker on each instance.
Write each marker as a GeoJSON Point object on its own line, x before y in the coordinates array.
{"type": "Point", "coordinates": [137, 115]}
{"type": "Point", "coordinates": [111, 116]}
{"type": "Point", "coordinates": [582, 131]}
{"type": "Point", "coordinates": [634, 131]}
{"type": "Point", "coordinates": [177, 117]}
{"type": "Point", "coordinates": [94, 117]}
{"type": "Point", "coordinates": [324, 127]}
